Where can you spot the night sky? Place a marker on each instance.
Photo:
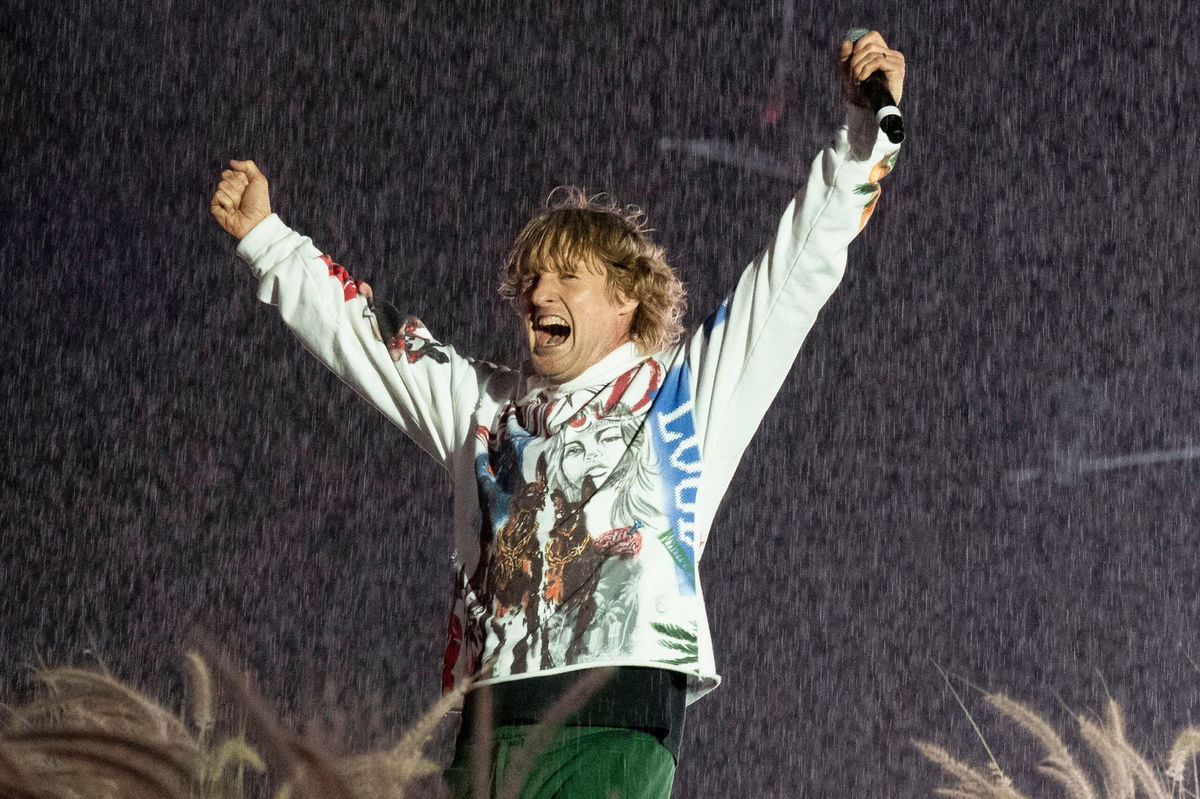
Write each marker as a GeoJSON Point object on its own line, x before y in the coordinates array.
{"type": "Point", "coordinates": [936, 483]}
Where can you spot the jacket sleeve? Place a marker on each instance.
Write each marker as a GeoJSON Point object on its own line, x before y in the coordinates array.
{"type": "Point", "coordinates": [740, 356]}
{"type": "Point", "coordinates": [422, 386]}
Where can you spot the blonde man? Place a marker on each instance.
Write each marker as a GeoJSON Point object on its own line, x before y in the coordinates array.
{"type": "Point", "coordinates": [585, 482]}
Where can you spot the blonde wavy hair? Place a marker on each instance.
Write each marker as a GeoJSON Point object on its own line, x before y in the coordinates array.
{"type": "Point", "coordinates": [574, 230]}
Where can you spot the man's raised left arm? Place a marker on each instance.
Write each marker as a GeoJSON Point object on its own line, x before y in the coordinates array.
{"type": "Point", "coordinates": [742, 354]}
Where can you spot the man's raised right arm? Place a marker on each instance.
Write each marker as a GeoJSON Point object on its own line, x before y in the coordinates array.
{"type": "Point", "coordinates": [419, 384]}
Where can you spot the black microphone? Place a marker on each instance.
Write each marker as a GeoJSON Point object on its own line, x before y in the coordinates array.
{"type": "Point", "coordinates": [875, 90]}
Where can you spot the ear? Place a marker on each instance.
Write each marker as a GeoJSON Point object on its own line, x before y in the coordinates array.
{"type": "Point", "coordinates": [637, 266]}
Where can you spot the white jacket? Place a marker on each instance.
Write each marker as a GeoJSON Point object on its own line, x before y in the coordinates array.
{"type": "Point", "coordinates": [581, 510]}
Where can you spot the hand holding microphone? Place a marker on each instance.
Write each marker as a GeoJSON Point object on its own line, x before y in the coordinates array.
{"type": "Point", "coordinates": [873, 77]}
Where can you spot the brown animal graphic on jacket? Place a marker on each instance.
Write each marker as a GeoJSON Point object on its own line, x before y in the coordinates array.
{"type": "Point", "coordinates": [513, 565]}
{"type": "Point", "coordinates": [573, 563]}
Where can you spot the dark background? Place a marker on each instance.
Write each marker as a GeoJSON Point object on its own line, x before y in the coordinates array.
{"type": "Point", "coordinates": [1025, 295]}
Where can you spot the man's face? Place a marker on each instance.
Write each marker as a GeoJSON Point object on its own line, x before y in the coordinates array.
{"type": "Point", "coordinates": [571, 322]}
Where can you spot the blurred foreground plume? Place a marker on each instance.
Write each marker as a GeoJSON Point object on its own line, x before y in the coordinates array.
{"type": "Point", "coordinates": [90, 736]}
{"type": "Point", "coordinates": [1123, 772]}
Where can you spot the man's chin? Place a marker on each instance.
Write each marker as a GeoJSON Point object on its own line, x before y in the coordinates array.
{"type": "Point", "coordinates": [551, 367]}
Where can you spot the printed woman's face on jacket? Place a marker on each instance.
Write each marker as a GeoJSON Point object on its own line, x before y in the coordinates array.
{"type": "Point", "coordinates": [594, 452]}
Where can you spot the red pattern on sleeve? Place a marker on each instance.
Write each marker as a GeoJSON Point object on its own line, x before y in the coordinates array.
{"type": "Point", "coordinates": [349, 285]}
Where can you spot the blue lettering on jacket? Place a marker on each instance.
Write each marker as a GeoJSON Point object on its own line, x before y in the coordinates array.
{"type": "Point", "coordinates": [673, 431]}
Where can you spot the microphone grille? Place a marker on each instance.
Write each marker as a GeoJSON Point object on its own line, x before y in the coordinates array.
{"type": "Point", "coordinates": [854, 34]}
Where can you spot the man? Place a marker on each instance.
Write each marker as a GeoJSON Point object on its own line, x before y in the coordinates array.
{"type": "Point", "coordinates": [584, 483]}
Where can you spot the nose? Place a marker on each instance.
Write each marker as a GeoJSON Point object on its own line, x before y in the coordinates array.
{"type": "Point", "coordinates": [540, 289]}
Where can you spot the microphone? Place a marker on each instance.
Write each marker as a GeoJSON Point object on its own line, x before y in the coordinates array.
{"type": "Point", "coordinates": [875, 89]}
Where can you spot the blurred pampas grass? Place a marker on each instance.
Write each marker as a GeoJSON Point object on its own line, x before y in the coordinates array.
{"type": "Point", "coordinates": [1123, 772]}
{"type": "Point", "coordinates": [90, 736]}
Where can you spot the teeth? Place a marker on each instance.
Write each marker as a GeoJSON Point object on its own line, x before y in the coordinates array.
{"type": "Point", "coordinates": [550, 319]}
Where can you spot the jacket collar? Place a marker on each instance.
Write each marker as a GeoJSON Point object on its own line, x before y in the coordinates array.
{"type": "Point", "coordinates": [607, 369]}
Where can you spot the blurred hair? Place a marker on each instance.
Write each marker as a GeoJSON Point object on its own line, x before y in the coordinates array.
{"type": "Point", "coordinates": [574, 230]}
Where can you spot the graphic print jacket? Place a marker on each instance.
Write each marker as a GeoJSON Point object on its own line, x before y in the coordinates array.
{"type": "Point", "coordinates": [581, 509]}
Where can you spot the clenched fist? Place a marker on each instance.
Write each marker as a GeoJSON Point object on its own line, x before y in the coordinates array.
{"type": "Point", "coordinates": [870, 54]}
{"type": "Point", "coordinates": [241, 199]}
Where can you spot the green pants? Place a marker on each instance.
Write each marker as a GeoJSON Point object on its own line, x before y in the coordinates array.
{"type": "Point", "coordinates": [577, 763]}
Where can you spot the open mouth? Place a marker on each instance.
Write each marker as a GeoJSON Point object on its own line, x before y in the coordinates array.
{"type": "Point", "coordinates": [550, 331]}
